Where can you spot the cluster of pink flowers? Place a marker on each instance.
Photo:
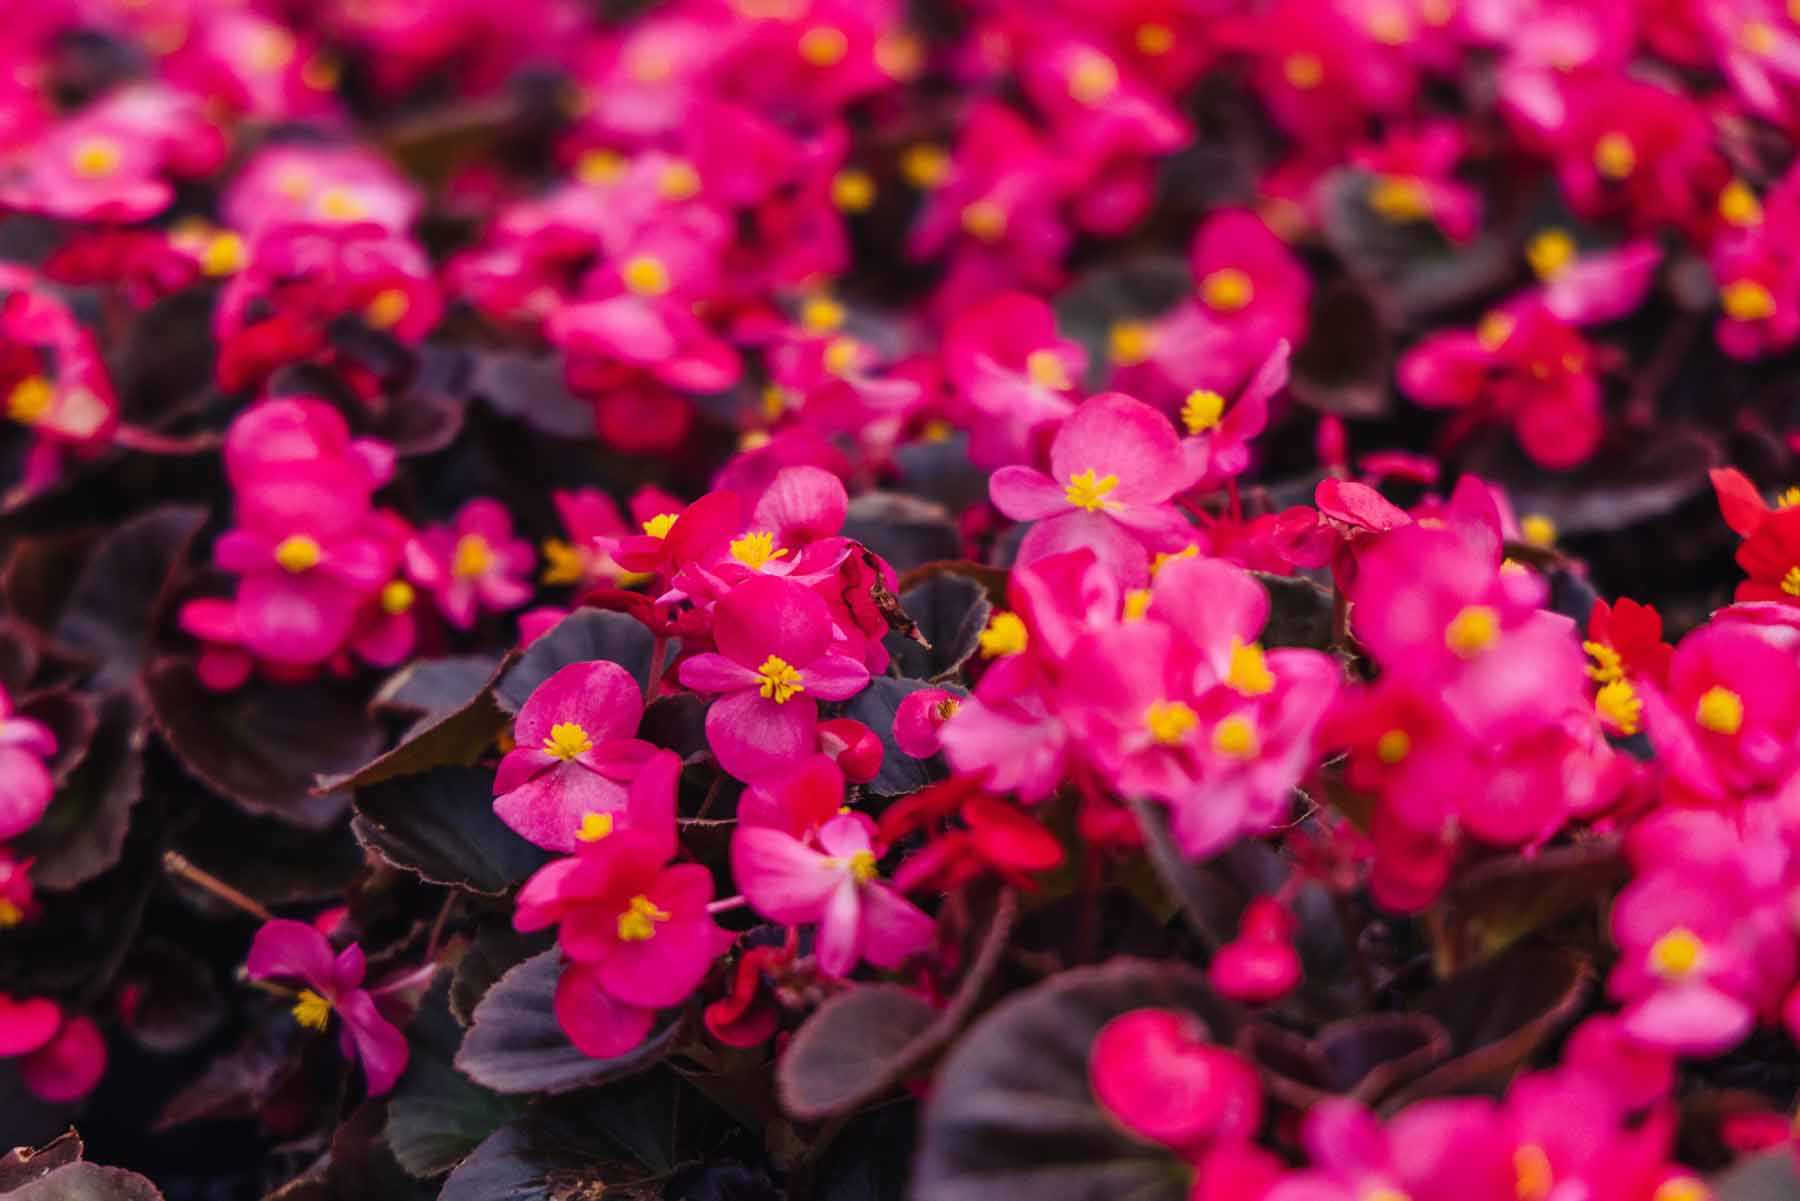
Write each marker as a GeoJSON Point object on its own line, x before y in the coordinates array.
{"type": "Point", "coordinates": [61, 1056]}
{"type": "Point", "coordinates": [26, 747]}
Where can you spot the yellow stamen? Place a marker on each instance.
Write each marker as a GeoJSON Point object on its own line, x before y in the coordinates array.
{"type": "Point", "coordinates": [564, 564]}
{"type": "Point", "coordinates": [95, 158]}
{"type": "Point", "coordinates": [1493, 330]}
{"type": "Point", "coordinates": [1227, 290]}
{"type": "Point", "coordinates": [1532, 1175]}
{"type": "Point", "coordinates": [1005, 635]}
{"type": "Point", "coordinates": [1045, 367]}
{"type": "Point", "coordinates": [824, 46]}
{"type": "Point", "coordinates": [1137, 603]}
{"type": "Point", "coordinates": [1393, 746]}
{"type": "Point", "coordinates": [30, 400]}
{"type": "Point", "coordinates": [659, 526]}
{"type": "Point", "coordinates": [853, 191]}
{"type": "Point", "coordinates": [339, 204]}
{"type": "Point", "coordinates": [594, 827]}
{"type": "Point", "coordinates": [1163, 557]}
{"type": "Point", "coordinates": [1551, 252]}
{"type": "Point", "coordinates": [1170, 722]}
{"type": "Point", "coordinates": [1747, 300]}
{"type": "Point", "coordinates": [755, 549]}
{"type": "Point", "coordinates": [1303, 71]}
{"type": "Point", "coordinates": [984, 219]}
{"type": "Point", "coordinates": [1720, 710]}
{"type": "Point", "coordinates": [1788, 499]}
{"type": "Point", "coordinates": [600, 166]}
{"type": "Point", "coordinates": [1677, 954]}
{"type": "Point", "coordinates": [312, 1010]}
{"type": "Point", "coordinates": [567, 740]}
{"type": "Point", "coordinates": [862, 866]}
{"type": "Point", "coordinates": [1619, 705]}
{"type": "Point", "coordinates": [1790, 583]}
{"type": "Point", "coordinates": [900, 54]}
{"type": "Point", "coordinates": [1400, 199]}
{"type": "Point", "coordinates": [948, 707]}
{"type": "Point", "coordinates": [10, 914]}
{"type": "Point", "coordinates": [638, 923]}
{"type": "Point", "coordinates": [1154, 38]}
{"type": "Point", "coordinates": [779, 680]}
{"type": "Point", "coordinates": [1384, 1192]}
{"type": "Point", "coordinates": [1093, 78]}
{"type": "Point", "coordinates": [925, 166]}
{"type": "Point", "coordinates": [841, 354]}
{"type": "Point", "coordinates": [1202, 410]}
{"type": "Point", "coordinates": [1472, 630]}
{"type": "Point", "coordinates": [1614, 156]}
{"type": "Point", "coordinates": [1538, 529]}
{"type": "Point", "coordinates": [1086, 492]}
{"type": "Point", "coordinates": [1236, 737]}
{"type": "Point", "coordinates": [645, 275]}
{"type": "Point", "coordinates": [679, 181]}
{"type": "Point", "coordinates": [822, 314]}
{"type": "Point", "coordinates": [397, 597]}
{"type": "Point", "coordinates": [473, 557]}
{"type": "Point", "coordinates": [1129, 343]}
{"type": "Point", "coordinates": [224, 255]}
{"type": "Point", "coordinates": [1739, 206]}
{"type": "Point", "coordinates": [1682, 1188]}
{"type": "Point", "coordinates": [298, 553]}
{"type": "Point", "coordinates": [1607, 665]}
{"type": "Point", "coordinates": [386, 308]}
{"type": "Point", "coordinates": [1758, 37]}
{"type": "Point", "coordinates": [1249, 672]}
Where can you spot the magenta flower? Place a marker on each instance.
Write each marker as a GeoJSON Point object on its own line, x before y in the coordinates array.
{"type": "Point", "coordinates": [1114, 466]}
{"type": "Point", "coordinates": [1158, 1072]}
{"type": "Point", "coordinates": [594, 526]}
{"type": "Point", "coordinates": [1726, 721]}
{"type": "Point", "coordinates": [564, 784]}
{"type": "Point", "coordinates": [25, 784]}
{"type": "Point", "coordinates": [1414, 178]}
{"type": "Point", "coordinates": [474, 563]}
{"type": "Point", "coordinates": [835, 885]}
{"type": "Point", "coordinates": [332, 983]}
{"type": "Point", "coordinates": [776, 661]}
{"type": "Point", "coordinates": [1018, 379]}
{"type": "Point", "coordinates": [61, 1056]}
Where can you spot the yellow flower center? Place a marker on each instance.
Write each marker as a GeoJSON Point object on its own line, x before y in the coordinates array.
{"type": "Point", "coordinates": [1226, 290]}
{"type": "Point", "coordinates": [1472, 630]}
{"type": "Point", "coordinates": [1202, 410]}
{"type": "Point", "coordinates": [1614, 156]}
{"type": "Point", "coordinates": [298, 553]}
{"type": "Point", "coordinates": [840, 355]}
{"type": "Point", "coordinates": [1677, 954]}
{"type": "Point", "coordinates": [594, 827]}
{"type": "Point", "coordinates": [321, 73]}
{"type": "Point", "coordinates": [948, 707]}
{"type": "Point", "coordinates": [95, 158]}
{"type": "Point", "coordinates": [1720, 710]}
{"type": "Point", "coordinates": [659, 526]}
{"type": "Point", "coordinates": [755, 549]}
{"type": "Point", "coordinates": [1045, 367]}
{"type": "Point", "coordinates": [1747, 300]}
{"type": "Point", "coordinates": [386, 308]}
{"type": "Point", "coordinates": [563, 563]}
{"type": "Point", "coordinates": [473, 557]}
{"type": "Point", "coordinates": [1532, 1174]}
{"type": "Point", "coordinates": [1790, 583]}
{"type": "Point", "coordinates": [645, 275]}
{"type": "Point", "coordinates": [1758, 37]}
{"type": "Point", "coordinates": [1170, 722]}
{"type": "Point", "coordinates": [1682, 1188]}
{"type": "Point", "coordinates": [1493, 330]}
{"type": "Point", "coordinates": [1607, 665]}
{"type": "Point", "coordinates": [822, 314]}
{"type": "Point", "coordinates": [853, 191]}
{"type": "Point", "coordinates": [1086, 492]}
{"type": "Point", "coordinates": [638, 923]}
{"type": "Point", "coordinates": [1788, 499]}
{"type": "Point", "coordinates": [1236, 737]}
{"type": "Point", "coordinates": [1154, 38]}
{"type": "Point", "coordinates": [567, 740]}
{"type": "Point", "coordinates": [1137, 603]}
{"type": "Point", "coordinates": [1739, 206]}
{"type": "Point", "coordinates": [1393, 746]}
{"type": "Point", "coordinates": [1303, 71]}
{"type": "Point", "coordinates": [312, 1010]}
{"type": "Point", "coordinates": [1538, 529]}
{"type": "Point", "coordinates": [1551, 252]}
{"type": "Point", "coordinates": [1620, 706]}
{"type": "Point", "coordinates": [1093, 78]}
{"type": "Point", "coordinates": [984, 219]}
{"type": "Point", "coordinates": [900, 54]}
{"type": "Point", "coordinates": [30, 400]}
{"type": "Point", "coordinates": [1384, 1192]}
{"type": "Point", "coordinates": [824, 46]}
{"type": "Point", "coordinates": [1249, 672]}
{"type": "Point", "coordinates": [1129, 343]}
{"type": "Point", "coordinates": [679, 181]}
{"type": "Point", "coordinates": [1400, 198]}
{"type": "Point", "coordinates": [779, 680]}
{"type": "Point", "coordinates": [862, 866]}
{"type": "Point", "coordinates": [339, 204]}
{"type": "Point", "coordinates": [925, 166]}
{"type": "Point", "coordinates": [397, 597]}
{"type": "Point", "coordinates": [1005, 635]}
{"type": "Point", "coordinates": [10, 914]}
{"type": "Point", "coordinates": [600, 166]}
{"type": "Point", "coordinates": [224, 255]}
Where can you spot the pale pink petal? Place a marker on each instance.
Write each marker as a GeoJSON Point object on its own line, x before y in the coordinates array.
{"type": "Point", "coordinates": [1026, 494]}
{"type": "Point", "coordinates": [840, 928]}
{"type": "Point", "coordinates": [716, 673]}
{"type": "Point", "coordinates": [753, 736]}
{"type": "Point", "coordinates": [1113, 434]}
{"type": "Point", "coordinates": [893, 928]}
{"type": "Point", "coordinates": [784, 880]}
{"type": "Point", "coordinates": [766, 616]}
{"type": "Point", "coordinates": [834, 678]}
{"type": "Point", "coordinates": [69, 1065]}
{"type": "Point", "coordinates": [548, 808]}
{"type": "Point", "coordinates": [601, 697]}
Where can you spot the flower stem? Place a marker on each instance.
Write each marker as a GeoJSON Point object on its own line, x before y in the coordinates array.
{"type": "Point", "coordinates": [176, 864]}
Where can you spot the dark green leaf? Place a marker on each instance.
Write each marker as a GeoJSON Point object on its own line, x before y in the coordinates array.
{"type": "Point", "coordinates": [123, 588]}
{"type": "Point", "coordinates": [904, 530]}
{"type": "Point", "coordinates": [581, 637]}
{"type": "Point", "coordinates": [441, 825]}
{"type": "Point", "coordinates": [437, 1115]}
{"type": "Point", "coordinates": [951, 610]}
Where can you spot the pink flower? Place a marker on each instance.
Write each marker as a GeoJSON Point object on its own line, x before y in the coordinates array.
{"type": "Point", "coordinates": [1113, 467]}
{"type": "Point", "coordinates": [1158, 1072]}
{"type": "Point", "coordinates": [17, 902]}
{"type": "Point", "coordinates": [1726, 722]}
{"type": "Point", "coordinates": [25, 784]}
{"type": "Point", "coordinates": [775, 662]}
{"type": "Point", "coordinates": [835, 885]}
{"type": "Point", "coordinates": [70, 1065]}
{"type": "Point", "coordinates": [333, 984]}
{"type": "Point", "coordinates": [919, 718]}
{"type": "Point", "coordinates": [1260, 964]}
{"type": "Point", "coordinates": [565, 781]}
{"type": "Point", "coordinates": [1016, 376]}
{"type": "Point", "coordinates": [1414, 178]}
{"type": "Point", "coordinates": [86, 168]}
{"type": "Point", "coordinates": [594, 526]}
{"type": "Point", "coordinates": [26, 1024]}
{"type": "Point", "coordinates": [473, 564]}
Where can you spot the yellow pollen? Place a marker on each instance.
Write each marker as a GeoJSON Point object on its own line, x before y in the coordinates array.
{"type": "Point", "coordinates": [1093, 79]}
{"type": "Point", "coordinates": [95, 158]}
{"type": "Point", "coordinates": [937, 430]}
{"type": "Point", "coordinates": [1538, 529]}
{"type": "Point", "coordinates": [755, 549]}
{"type": "Point", "coordinates": [1137, 603]}
{"type": "Point", "coordinates": [645, 275]}
{"type": "Point", "coordinates": [341, 205]}
{"type": "Point", "coordinates": [1303, 71]}
{"type": "Point", "coordinates": [948, 707]}
{"type": "Point", "coordinates": [298, 553]}
{"type": "Point", "coordinates": [840, 355]}
{"type": "Point", "coordinates": [862, 866]}
{"type": "Point", "coordinates": [30, 400]}
{"type": "Point", "coordinates": [1511, 566]}
{"type": "Point", "coordinates": [599, 166]}
{"type": "Point", "coordinates": [1189, 551]}
{"type": "Point", "coordinates": [1551, 252]}
{"type": "Point", "coordinates": [1788, 499]}
{"type": "Point", "coordinates": [397, 597]}
{"type": "Point", "coordinates": [1677, 954]}
{"type": "Point", "coordinates": [567, 740]}
{"type": "Point", "coordinates": [1682, 1188]}
{"type": "Point", "coordinates": [679, 181]}
{"type": "Point", "coordinates": [824, 46]}
{"type": "Point", "coordinates": [1614, 156]}
{"type": "Point", "coordinates": [1619, 705]}
{"type": "Point", "coordinates": [638, 923]}
{"type": "Point", "coordinates": [1390, 27]}
{"type": "Point", "coordinates": [755, 439]}
{"type": "Point", "coordinates": [1746, 300]}
{"type": "Point", "coordinates": [473, 557]}
{"type": "Point", "coordinates": [779, 680]}
{"type": "Point", "coordinates": [775, 401]}
{"type": "Point", "coordinates": [1472, 630]}
{"type": "Point", "coordinates": [1384, 1192]}
{"type": "Point", "coordinates": [386, 309]}
{"type": "Point", "coordinates": [224, 255]}
{"type": "Point", "coordinates": [321, 73]}
{"type": "Point", "coordinates": [925, 166]}
{"type": "Point", "coordinates": [312, 1010]}
{"type": "Point", "coordinates": [1154, 38]}
{"type": "Point", "coordinates": [1607, 665]}
{"type": "Point", "coordinates": [1720, 710]}
{"type": "Point", "coordinates": [1227, 290]}
{"type": "Point", "coordinates": [1758, 37]}
{"type": "Point", "coordinates": [1170, 722]}
{"type": "Point", "coordinates": [1393, 746]}
{"type": "Point", "coordinates": [594, 827]}
{"type": "Point", "coordinates": [900, 54]}
{"type": "Point", "coordinates": [10, 914]}
{"type": "Point", "coordinates": [1532, 1173]}
{"type": "Point", "coordinates": [1129, 343]}
{"type": "Point", "coordinates": [1249, 672]}
{"type": "Point", "coordinates": [1202, 410]}
{"type": "Point", "coordinates": [1236, 737]}
{"type": "Point", "coordinates": [984, 219]}
{"type": "Point", "coordinates": [1005, 635]}
{"type": "Point", "coordinates": [563, 563]}
{"type": "Point", "coordinates": [1400, 199]}
{"type": "Point", "coordinates": [1046, 370]}
{"type": "Point", "coordinates": [1790, 583]}
{"type": "Point", "coordinates": [822, 314]}
{"type": "Point", "coordinates": [1086, 492]}
{"type": "Point", "coordinates": [1493, 330]}
{"type": "Point", "coordinates": [659, 526]}
{"type": "Point", "coordinates": [1739, 206]}
{"type": "Point", "coordinates": [853, 191]}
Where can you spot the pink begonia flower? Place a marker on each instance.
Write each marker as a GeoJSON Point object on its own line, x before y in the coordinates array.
{"type": "Point", "coordinates": [1757, 269]}
{"type": "Point", "coordinates": [799, 801]}
{"type": "Point", "coordinates": [835, 885]}
{"type": "Point", "coordinates": [26, 1024]}
{"type": "Point", "coordinates": [1726, 721]}
{"type": "Point", "coordinates": [52, 378]}
{"type": "Point", "coordinates": [1523, 365]}
{"type": "Point", "coordinates": [1260, 964]}
{"type": "Point", "coordinates": [1158, 1072]}
{"type": "Point", "coordinates": [1641, 1072]}
{"type": "Point", "coordinates": [920, 716]}
{"type": "Point", "coordinates": [473, 564]}
{"type": "Point", "coordinates": [332, 983]}
{"type": "Point", "coordinates": [1218, 439]}
{"type": "Point", "coordinates": [1322, 75]}
{"type": "Point", "coordinates": [774, 664]}
{"type": "Point", "coordinates": [289, 183]}
{"type": "Point", "coordinates": [637, 933]}
{"type": "Point", "coordinates": [25, 784]}
{"type": "Point", "coordinates": [1414, 178]}
{"type": "Point", "coordinates": [70, 1065]}
{"type": "Point", "coordinates": [1591, 288]}
{"type": "Point", "coordinates": [388, 629]}
{"type": "Point", "coordinates": [854, 747]}
{"type": "Point", "coordinates": [576, 750]}
{"type": "Point", "coordinates": [594, 525]}
{"type": "Point", "coordinates": [17, 900]}
{"type": "Point", "coordinates": [87, 167]}
{"type": "Point", "coordinates": [1114, 466]}
{"type": "Point", "coordinates": [1017, 378]}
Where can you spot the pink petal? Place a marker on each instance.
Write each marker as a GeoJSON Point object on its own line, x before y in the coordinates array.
{"type": "Point", "coordinates": [295, 950]}
{"type": "Point", "coordinates": [1113, 434]}
{"type": "Point", "coordinates": [716, 673]}
{"type": "Point", "coordinates": [26, 1025]}
{"type": "Point", "coordinates": [1689, 1019]}
{"type": "Point", "coordinates": [893, 928]}
{"type": "Point", "coordinates": [801, 505]}
{"type": "Point", "coordinates": [754, 736]}
{"type": "Point", "coordinates": [665, 968]}
{"type": "Point", "coordinates": [547, 810]}
{"type": "Point", "coordinates": [69, 1065]}
{"type": "Point", "coordinates": [598, 1024]}
{"type": "Point", "coordinates": [600, 697]}
{"type": "Point", "coordinates": [840, 928]}
{"type": "Point", "coordinates": [25, 790]}
{"type": "Point", "coordinates": [834, 678]}
{"type": "Point", "coordinates": [379, 1044]}
{"type": "Point", "coordinates": [766, 616]}
{"type": "Point", "coordinates": [1026, 494]}
{"type": "Point", "coordinates": [784, 880]}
